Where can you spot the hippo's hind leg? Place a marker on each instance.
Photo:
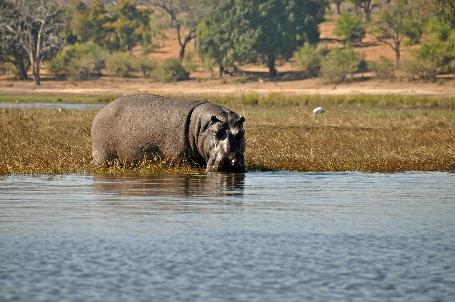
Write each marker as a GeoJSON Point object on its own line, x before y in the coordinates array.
{"type": "Point", "coordinates": [102, 155]}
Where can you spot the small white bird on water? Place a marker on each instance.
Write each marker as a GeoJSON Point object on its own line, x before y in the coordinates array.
{"type": "Point", "coordinates": [319, 110]}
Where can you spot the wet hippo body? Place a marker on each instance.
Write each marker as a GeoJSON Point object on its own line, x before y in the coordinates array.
{"type": "Point", "coordinates": [137, 127]}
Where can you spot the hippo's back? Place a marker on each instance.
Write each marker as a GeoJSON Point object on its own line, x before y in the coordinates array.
{"type": "Point", "coordinates": [135, 126]}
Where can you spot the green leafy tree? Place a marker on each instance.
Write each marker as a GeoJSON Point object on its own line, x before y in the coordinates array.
{"type": "Point", "coordinates": [350, 27]}
{"type": "Point", "coordinates": [264, 31]}
{"type": "Point", "coordinates": [86, 23]}
{"type": "Point", "coordinates": [397, 21]}
{"type": "Point", "coordinates": [436, 53]}
{"type": "Point", "coordinates": [216, 36]}
{"type": "Point", "coordinates": [118, 27]}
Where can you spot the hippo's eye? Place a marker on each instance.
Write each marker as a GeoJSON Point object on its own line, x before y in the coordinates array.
{"type": "Point", "coordinates": [220, 134]}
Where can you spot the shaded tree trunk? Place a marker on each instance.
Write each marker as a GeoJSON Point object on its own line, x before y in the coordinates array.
{"type": "Point", "coordinates": [221, 68]}
{"type": "Point", "coordinates": [36, 72]}
{"type": "Point", "coordinates": [271, 65]}
{"type": "Point", "coordinates": [21, 65]}
{"type": "Point", "coordinates": [397, 55]}
{"type": "Point", "coordinates": [338, 5]}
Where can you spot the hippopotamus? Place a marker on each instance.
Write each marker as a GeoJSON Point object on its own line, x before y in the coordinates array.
{"type": "Point", "coordinates": [137, 127]}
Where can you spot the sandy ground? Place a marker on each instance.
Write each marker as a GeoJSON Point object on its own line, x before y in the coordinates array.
{"type": "Point", "coordinates": [115, 86]}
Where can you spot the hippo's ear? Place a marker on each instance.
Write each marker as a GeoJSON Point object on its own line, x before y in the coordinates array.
{"type": "Point", "coordinates": [241, 120]}
{"type": "Point", "coordinates": [215, 119]}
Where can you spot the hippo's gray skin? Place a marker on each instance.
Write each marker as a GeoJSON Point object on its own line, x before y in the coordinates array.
{"type": "Point", "coordinates": [137, 127]}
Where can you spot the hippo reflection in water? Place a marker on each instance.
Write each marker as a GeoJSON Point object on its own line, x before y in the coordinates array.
{"type": "Point", "coordinates": [148, 126]}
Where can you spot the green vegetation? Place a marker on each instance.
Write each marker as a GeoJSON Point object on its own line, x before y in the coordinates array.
{"type": "Point", "coordinates": [350, 27]}
{"type": "Point", "coordinates": [339, 64]}
{"type": "Point", "coordinates": [81, 40]}
{"type": "Point", "coordinates": [309, 58]}
{"type": "Point", "coordinates": [363, 133]}
{"type": "Point", "coordinates": [78, 62]}
{"type": "Point", "coordinates": [260, 30]}
{"type": "Point", "coordinates": [384, 69]}
{"type": "Point", "coordinates": [171, 70]}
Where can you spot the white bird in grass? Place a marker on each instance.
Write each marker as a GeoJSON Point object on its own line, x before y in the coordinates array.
{"type": "Point", "coordinates": [319, 110]}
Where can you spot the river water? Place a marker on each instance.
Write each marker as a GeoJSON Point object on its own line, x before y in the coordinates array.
{"type": "Point", "coordinates": [228, 237]}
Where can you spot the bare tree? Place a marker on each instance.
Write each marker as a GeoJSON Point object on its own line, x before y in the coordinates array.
{"type": "Point", "coordinates": [185, 16]}
{"type": "Point", "coordinates": [34, 27]}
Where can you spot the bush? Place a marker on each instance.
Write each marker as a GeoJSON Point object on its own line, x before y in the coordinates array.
{"type": "Point", "coordinates": [350, 27]}
{"type": "Point", "coordinates": [417, 69]}
{"type": "Point", "coordinates": [145, 66]}
{"type": "Point", "coordinates": [384, 69]}
{"type": "Point", "coordinates": [338, 64]}
{"type": "Point", "coordinates": [8, 68]}
{"type": "Point", "coordinates": [309, 58]}
{"type": "Point", "coordinates": [432, 58]}
{"type": "Point", "coordinates": [78, 62]}
{"type": "Point", "coordinates": [171, 70]}
{"type": "Point", "coordinates": [121, 64]}
{"type": "Point", "coordinates": [189, 61]}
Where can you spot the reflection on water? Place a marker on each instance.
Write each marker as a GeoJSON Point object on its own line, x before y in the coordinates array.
{"type": "Point", "coordinates": [228, 237]}
{"type": "Point", "coordinates": [195, 185]}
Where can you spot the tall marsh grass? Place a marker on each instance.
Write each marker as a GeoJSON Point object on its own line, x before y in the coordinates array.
{"type": "Point", "coordinates": [358, 133]}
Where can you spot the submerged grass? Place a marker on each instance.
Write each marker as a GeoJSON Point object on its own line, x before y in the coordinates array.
{"type": "Point", "coordinates": [357, 133]}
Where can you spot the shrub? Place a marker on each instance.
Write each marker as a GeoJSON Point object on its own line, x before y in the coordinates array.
{"type": "Point", "coordinates": [432, 58]}
{"type": "Point", "coordinates": [121, 64]}
{"type": "Point", "coordinates": [8, 68]}
{"type": "Point", "coordinates": [146, 66]}
{"type": "Point", "coordinates": [309, 58]}
{"type": "Point", "coordinates": [384, 69]}
{"type": "Point", "coordinates": [171, 70]}
{"type": "Point", "coordinates": [338, 64]}
{"type": "Point", "coordinates": [189, 61]}
{"type": "Point", "coordinates": [78, 62]}
{"type": "Point", "coordinates": [350, 27]}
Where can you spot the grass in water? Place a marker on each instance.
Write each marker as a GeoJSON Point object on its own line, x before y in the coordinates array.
{"type": "Point", "coordinates": [373, 134]}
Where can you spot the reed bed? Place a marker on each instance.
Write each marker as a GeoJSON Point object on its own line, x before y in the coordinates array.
{"type": "Point", "coordinates": [356, 134]}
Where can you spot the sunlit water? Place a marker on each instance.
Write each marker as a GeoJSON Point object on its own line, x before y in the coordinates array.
{"type": "Point", "coordinates": [253, 237]}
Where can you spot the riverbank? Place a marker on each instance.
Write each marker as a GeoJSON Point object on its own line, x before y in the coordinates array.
{"type": "Point", "coordinates": [358, 133]}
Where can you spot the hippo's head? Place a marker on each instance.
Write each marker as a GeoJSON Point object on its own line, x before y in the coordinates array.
{"type": "Point", "coordinates": [225, 144]}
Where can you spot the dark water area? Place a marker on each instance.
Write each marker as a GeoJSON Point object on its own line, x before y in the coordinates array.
{"type": "Point", "coordinates": [61, 106]}
{"type": "Point", "coordinates": [228, 237]}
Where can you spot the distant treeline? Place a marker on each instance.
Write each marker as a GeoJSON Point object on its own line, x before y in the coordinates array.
{"type": "Point", "coordinates": [80, 39]}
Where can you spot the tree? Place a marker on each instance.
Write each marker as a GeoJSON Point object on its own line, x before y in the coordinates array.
{"type": "Point", "coordinates": [367, 7]}
{"type": "Point", "coordinates": [338, 5]}
{"type": "Point", "coordinates": [119, 26]}
{"type": "Point", "coordinates": [258, 30]}
{"type": "Point", "coordinates": [126, 26]}
{"type": "Point", "coordinates": [33, 26]}
{"type": "Point", "coordinates": [350, 27]}
{"type": "Point", "coordinates": [395, 22]}
{"type": "Point", "coordinates": [12, 52]}
{"type": "Point", "coordinates": [185, 16]}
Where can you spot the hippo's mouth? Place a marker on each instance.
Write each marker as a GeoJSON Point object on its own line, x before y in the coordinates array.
{"type": "Point", "coordinates": [233, 166]}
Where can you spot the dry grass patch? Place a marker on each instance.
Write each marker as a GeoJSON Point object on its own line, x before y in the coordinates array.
{"type": "Point", "coordinates": [282, 134]}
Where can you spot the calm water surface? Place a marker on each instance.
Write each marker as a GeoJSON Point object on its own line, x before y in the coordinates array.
{"type": "Point", "coordinates": [218, 237]}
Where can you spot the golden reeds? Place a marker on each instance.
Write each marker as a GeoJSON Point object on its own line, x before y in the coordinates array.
{"type": "Point", "coordinates": [362, 134]}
